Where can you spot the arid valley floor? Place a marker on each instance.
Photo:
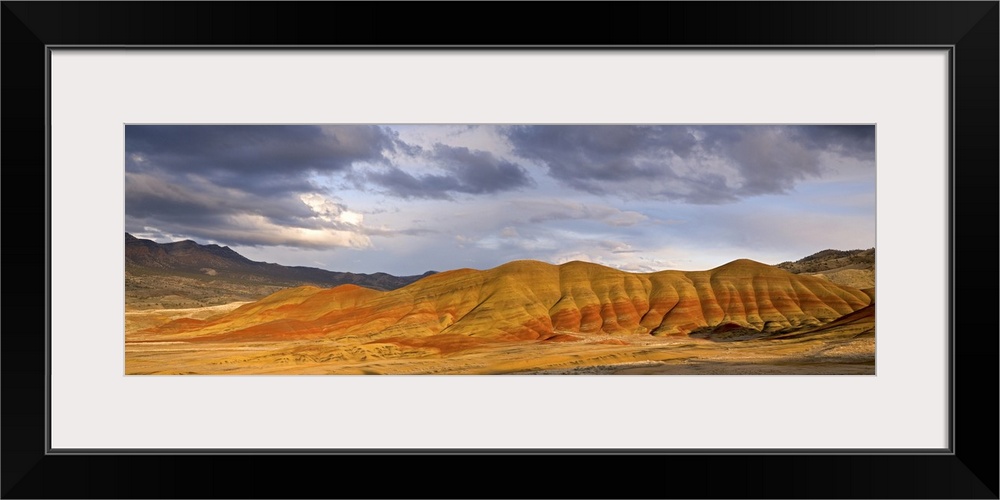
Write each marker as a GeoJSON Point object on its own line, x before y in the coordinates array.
{"type": "Point", "coordinates": [847, 349]}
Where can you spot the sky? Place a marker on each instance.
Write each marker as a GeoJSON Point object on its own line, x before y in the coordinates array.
{"type": "Point", "coordinates": [406, 199]}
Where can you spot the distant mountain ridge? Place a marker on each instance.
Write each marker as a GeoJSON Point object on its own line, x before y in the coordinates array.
{"type": "Point", "coordinates": [188, 274]}
{"type": "Point", "coordinates": [832, 261]}
{"type": "Point", "coordinates": [180, 254]}
{"type": "Point", "coordinates": [854, 268]}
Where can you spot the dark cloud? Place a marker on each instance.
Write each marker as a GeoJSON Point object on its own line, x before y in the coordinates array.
{"type": "Point", "coordinates": [465, 171]}
{"type": "Point", "coordinates": [250, 149]}
{"type": "Point", "coordinates": [769, 162]}
{"type": "Point", "coordinates": [599, 152]}
{"type": "Point", "coordinates": [149, 196]}
{"type": "Point", "coordinates": [201, 209]}
{"type": "Point", "coordinates": [480, 172]}
{"type": "Point", "coordinates": [253, 184]}
{"type": "Point", "coordinates": [262, 159]}
{"type": "Point", "coordinates": [404, 185]}
{"type": "Point", "coordinates": [248, 184]}
{"type": "Point", "coordinates": [694, 164]}
{"type": "Point", "coordinates": [856, 141]}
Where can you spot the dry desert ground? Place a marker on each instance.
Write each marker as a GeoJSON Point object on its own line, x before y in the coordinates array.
{"type": "Point", "coordinates": [845, 350]}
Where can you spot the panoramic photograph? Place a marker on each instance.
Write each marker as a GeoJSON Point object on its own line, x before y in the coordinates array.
{"type": "Point", "coordinates": [499, 249]}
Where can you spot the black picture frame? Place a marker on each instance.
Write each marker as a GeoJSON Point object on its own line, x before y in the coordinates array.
{"type": "Point", "coordinates": [968, 470]}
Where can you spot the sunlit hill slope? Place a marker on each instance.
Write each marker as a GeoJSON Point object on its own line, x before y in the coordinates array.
{"type": "Point", "coordinates": [530, 300]}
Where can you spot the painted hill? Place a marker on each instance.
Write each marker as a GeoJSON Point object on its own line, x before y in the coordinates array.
{"type": "Point", "coordinates": [530, 301]}
{"type": "Point", "coordinates": [855, 268]}
{"type": "Point", "coordinates": [188, 274]}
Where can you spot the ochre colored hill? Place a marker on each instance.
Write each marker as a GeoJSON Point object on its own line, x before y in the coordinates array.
{"type": "Point", "coordinates": [530, 300]}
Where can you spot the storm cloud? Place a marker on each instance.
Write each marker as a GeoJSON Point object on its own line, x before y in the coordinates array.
{"type": "Point", "coordinates": [419, 197]}
{"type": "Point", "coordinates": [247, 184]}
{"type": "Point", "coordinates": [262, 159]}
{"type": "Point", "coordinates": [691, 164]}
{"type": "Point", "coordinates": [263, 184]}
{"type": "Point", "coordinates": [463, 171]}
{"type": "Point", "coordinates": [201, 209]}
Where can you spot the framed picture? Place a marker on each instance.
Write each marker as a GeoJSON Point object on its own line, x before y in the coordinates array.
{"type": "Point", "coordinates": [901, 104]}
{"type": "Point", "coordinates": [563, 249]}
